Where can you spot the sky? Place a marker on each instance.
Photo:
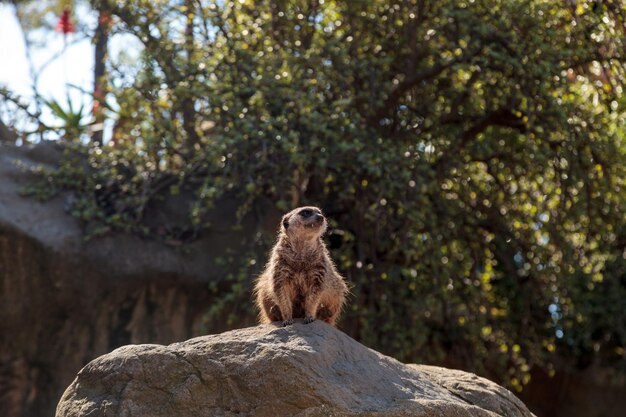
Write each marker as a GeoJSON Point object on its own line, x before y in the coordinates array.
{"type": "Point", "coordinates": [74, 66]}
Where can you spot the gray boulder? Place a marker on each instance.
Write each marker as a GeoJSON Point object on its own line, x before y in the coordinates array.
{"type": "Point", "coordinates": [300, 370]}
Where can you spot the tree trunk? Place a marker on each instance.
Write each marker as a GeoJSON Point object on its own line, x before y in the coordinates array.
{"type": "Point", "coordinates": [188, 109]}
{"type": "Point", "coordinates": [99, 77]}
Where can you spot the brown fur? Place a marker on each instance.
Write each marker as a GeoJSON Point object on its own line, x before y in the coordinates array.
{"type": "Point", "coordinates": [300, 280]}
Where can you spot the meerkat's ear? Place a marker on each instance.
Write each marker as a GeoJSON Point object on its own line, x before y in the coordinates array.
{"type": "Point", "coordinates": [286, 222]}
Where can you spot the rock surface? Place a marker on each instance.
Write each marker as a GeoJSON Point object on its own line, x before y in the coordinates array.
{"type": "Point", "coordinates": [301, 370]}
{"type": "Point", "coordinates": [65, 301]}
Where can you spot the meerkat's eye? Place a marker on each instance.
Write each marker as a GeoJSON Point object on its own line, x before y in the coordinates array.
{"type": "Point", "coordinates": [306, 213]}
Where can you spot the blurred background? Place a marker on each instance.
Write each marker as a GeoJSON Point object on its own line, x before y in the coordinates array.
{"type": "Point", "coordinates": [470, 156]}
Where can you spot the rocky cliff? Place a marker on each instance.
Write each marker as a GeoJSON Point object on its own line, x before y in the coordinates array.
{"type": "Point", "coordinates": [300, 370]}
{"type": "Point", "coordinates": [65, 301]}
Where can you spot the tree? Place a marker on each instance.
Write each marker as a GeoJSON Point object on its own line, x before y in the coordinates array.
{"type": "Point", "coordinates": [471, 155]}
{"type": "Point", "coordinates": [37, 20]}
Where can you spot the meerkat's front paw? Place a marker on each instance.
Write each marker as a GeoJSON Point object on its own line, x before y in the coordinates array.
{"type": "Point", "coordinates": [309, 319]}
{"type": "Point", "coordinates": [324, 313]}
{"type": "Point", "coordinates": [287, 322]}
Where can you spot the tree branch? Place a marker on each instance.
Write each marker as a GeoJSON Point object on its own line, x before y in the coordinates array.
{"type": "Point", "coordinates": [413, 80]}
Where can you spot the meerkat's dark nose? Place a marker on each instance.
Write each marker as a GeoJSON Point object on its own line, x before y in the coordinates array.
{"type": "Point", "coordinates": [318, 217]}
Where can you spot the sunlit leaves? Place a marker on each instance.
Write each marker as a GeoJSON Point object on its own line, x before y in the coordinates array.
{"type": "Point", "coordinates": [470, 154]}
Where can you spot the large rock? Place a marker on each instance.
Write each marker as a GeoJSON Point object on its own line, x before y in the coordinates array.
{"type": "Point", "coordinates": [301, 370]}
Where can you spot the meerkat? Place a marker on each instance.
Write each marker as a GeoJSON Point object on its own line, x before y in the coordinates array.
{"type": "Point", "coordinates": [300, 279]}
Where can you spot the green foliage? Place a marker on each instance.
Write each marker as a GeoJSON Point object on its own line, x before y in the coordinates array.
{"type": "Point", "coordinates": [470, 154]}
{"type": "Point", "coordinates": [73, 124]}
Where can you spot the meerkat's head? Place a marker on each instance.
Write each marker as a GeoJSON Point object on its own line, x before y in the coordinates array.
{"type": "Point", "coordinates": [304, 223]}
